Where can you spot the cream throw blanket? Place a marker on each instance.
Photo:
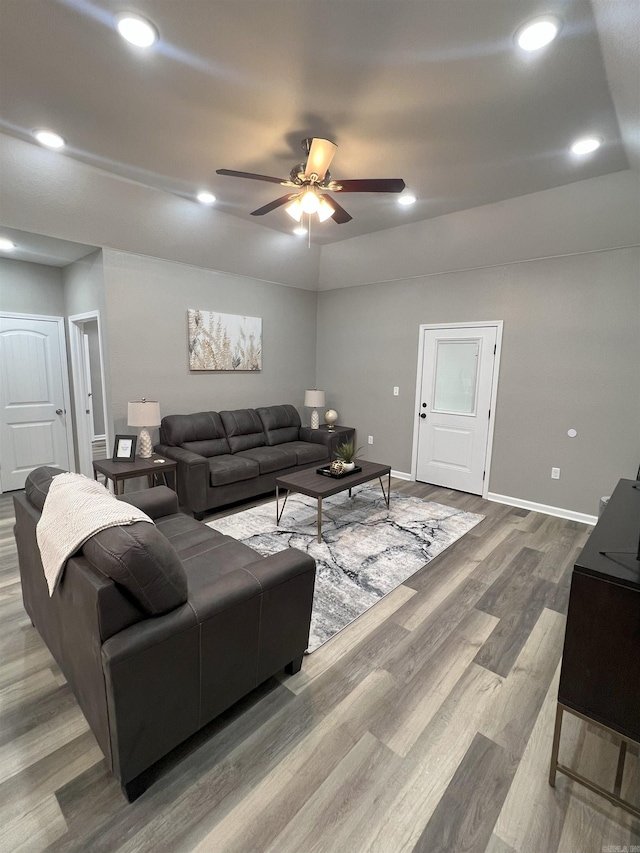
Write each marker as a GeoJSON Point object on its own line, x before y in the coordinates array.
{"type": "Point", "coordinates": [74, 509]}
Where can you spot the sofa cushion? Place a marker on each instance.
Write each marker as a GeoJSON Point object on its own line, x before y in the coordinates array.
{"type": "Point", "coordinates": [37, 484]}
{"type": "Point", "coordinates": [201, 433]}
{"type": "Point", "coordinates": [281, 423]}
{"type": "Point", "coordinates": [244, 429]}
{"type": "Point", "coordinates": [224, 470]}
{"type": "Point", "coordinates": [306, 453]}
{"type": "Point", "coordinates": [143, 561]}
{"type": "Point", "coordinates": [271, 458]}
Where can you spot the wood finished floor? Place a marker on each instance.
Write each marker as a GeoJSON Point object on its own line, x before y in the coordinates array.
{"type": "Point", "coordinates": [424, 726]}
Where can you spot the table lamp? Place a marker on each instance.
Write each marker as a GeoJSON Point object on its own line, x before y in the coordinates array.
{"type": "Point", "coordinates": [314, 399]}
{"type": "Point", "coordinates": [144, 413]}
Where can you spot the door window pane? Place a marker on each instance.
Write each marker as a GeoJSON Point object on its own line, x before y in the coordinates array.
{"type": "Point", "coordinates": [456, 376]}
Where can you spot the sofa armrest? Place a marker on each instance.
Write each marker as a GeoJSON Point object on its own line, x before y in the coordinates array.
{"type": "Point", "coordinates": [315, 436]}
{"type": "Point", "coordinates": [283, 566]}
{"type": "Point", "coordinates": [287, 580]}
{"type": "Point", "coordinates": [156, 502]}
{"type": "Point", "coordinates": [192, 476]}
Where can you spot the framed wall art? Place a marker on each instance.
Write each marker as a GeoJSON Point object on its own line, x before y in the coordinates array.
{"type": "Point", "coordinates": [224, 341]}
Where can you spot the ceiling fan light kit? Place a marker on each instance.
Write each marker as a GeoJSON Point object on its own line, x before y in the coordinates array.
{"type": "Point", "coordinates": [312, 184]}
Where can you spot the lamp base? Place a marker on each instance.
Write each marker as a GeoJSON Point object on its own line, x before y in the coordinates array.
{"type": "Point", "coordinates": [145, 448]}
{"type": "Point", "coordinates": [315, 419]}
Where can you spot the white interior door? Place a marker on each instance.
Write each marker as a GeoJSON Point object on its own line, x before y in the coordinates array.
{"type": "Point", "coordinates": [34, 427]}
{"type": "Point", "coordinates": [91, 427]}
{"type": "Point", "coordinates": [454, 404]}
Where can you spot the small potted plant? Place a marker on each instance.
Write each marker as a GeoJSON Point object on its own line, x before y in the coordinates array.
{"type": "Point", "coordinates": [348, 454]}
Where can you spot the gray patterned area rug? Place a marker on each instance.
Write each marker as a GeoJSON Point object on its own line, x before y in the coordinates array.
{"type": "Point", "coordinates": [366, 550]}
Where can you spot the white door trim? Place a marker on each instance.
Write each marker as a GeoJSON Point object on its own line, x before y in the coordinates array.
{"type": "Point", "coordinates": [498, 325]}
{"type": "Point", "coordinates": [66, 395]}
{"type": "Point", "coordinates": [76, 351]}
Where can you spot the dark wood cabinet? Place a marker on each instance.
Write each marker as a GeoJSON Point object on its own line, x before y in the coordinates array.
{"type": "Point", "coordinates": [600, 675]}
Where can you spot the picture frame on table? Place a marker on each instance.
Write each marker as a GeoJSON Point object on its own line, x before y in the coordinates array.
{"type": "Point", "coordinates": [124, 448]}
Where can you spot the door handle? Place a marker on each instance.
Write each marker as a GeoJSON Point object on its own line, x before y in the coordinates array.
{"type": "Point", "coordinates": [422, 415]}
{"type": "Point", "coordinates": [58, 411]}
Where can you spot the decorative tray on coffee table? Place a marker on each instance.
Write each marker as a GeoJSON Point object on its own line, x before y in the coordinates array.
{"type": "Point", "coordinates": [326, 472]}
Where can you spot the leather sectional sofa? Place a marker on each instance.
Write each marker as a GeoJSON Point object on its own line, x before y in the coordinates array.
{"type": "Point", "coordinates": [229, 456]}
{"type": "Point", "coordinates": [158, 628]}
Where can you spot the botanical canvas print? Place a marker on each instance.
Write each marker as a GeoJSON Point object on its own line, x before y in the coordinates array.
{"type": "Point", "coordinates": [224, 341]}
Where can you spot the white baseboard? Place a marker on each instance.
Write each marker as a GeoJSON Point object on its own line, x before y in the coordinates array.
{"type": "Point", "coordinates": [557, 511]}
{"type": "Point", "coordinates": [401, 475]}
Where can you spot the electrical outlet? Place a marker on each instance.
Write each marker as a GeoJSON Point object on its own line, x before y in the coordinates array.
{"type": "Point", "coordinates": [370, 439]}
{"type": "Point", "coordinates": [555, 473]}
{"type": "Point", "coordinates": [396, 390]}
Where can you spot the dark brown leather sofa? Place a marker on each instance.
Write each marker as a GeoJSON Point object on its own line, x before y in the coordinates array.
{"type": "Point", "coordinates": [159, 628]}
{"type": "Point", "coordinates": [229, 456]}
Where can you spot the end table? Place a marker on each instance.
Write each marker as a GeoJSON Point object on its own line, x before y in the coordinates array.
{"type": "Point", "coordinates": [332, 439]}
{"type": "Point", "coordinates": [118, 472]}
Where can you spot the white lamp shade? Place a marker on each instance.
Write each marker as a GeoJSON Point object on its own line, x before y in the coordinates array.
{"type": "Point", "coordinates": [295, 210]}
{"type": "Point", "coordinates": [314, 399]}
{"type": "Point", "coordinates": [143, 413]}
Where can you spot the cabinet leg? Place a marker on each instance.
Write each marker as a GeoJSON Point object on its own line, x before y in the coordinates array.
{"type": "Point", "coordinates": [556, 746]}
{"type": "Point", "coordinates": [617, 787]}
{"type": "Point", "coordinates": [133, 789]}
{"type": "Point", "coordinates": [294, 666]}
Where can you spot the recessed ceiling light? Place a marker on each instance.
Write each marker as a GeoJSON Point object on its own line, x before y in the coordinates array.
{"type": "Point", "coordinates": [205, 197]}
{"type": "Point", "coordinates": [300, 231]}
{"type": "Point", "coordinates": [407, 199]}
{"type": "Point", "coordinates": [6, 245]}
{"type": "Point", "coordinates": [586, 145]}
{"type": "Point", "coordinates": [137, 31]}
{"type": "Point", "coordinates": [538, 33]}
{"type": "Point", "coordinates": [49, 138]}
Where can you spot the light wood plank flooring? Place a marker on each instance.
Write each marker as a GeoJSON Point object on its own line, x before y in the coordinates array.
{"type": "Point", "coordinates": [425, 726]}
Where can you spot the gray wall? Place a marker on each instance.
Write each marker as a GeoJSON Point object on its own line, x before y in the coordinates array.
{"type": "Point", "coordinates": [599, 213]}
{"type": "Point", "coordinates": [561, 269]}
{"type": "Point", "coordinates": [570, 359]}
{"type": "Point", "coordinates": [147, 302]}
{"type": "Point", "coordinates": [84, 285]}
{"type": "Point", "coordinates": [27, 288]}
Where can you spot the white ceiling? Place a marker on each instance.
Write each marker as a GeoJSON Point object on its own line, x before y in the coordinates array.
{"type": "Point", "coordinates": [432, 91]}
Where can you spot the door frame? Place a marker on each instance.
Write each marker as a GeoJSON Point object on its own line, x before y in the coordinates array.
{"type": "Point", "coordinates": [78, 376]}
{"type": "Point", "coordinates": [498, 325]}
{"type": "Point", "coordinates": [66, 396]}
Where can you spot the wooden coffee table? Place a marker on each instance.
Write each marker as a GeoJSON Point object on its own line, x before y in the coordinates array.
{"type": "Point", "coordinates": [318, 486]}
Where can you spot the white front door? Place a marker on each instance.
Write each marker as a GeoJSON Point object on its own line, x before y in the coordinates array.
{"type": "Point", "coordinates": [454, 406]}
{"type": "Point", "coordinates": [34, 425]}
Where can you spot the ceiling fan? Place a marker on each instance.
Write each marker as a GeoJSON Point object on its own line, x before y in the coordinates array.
{"type": "Point", "coordinates": [311, 183]}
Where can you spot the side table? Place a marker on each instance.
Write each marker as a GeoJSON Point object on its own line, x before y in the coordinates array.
{"type": "Point", "coordinates": [118, 472]}
{"type": "Point", "coordinates": [332, 439]}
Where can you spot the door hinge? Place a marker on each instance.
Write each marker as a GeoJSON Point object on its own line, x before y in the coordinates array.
{"type": "Point", "coordinates": [495, 346]}
{"type": "Point", "coordinates": [489, 418]}
{"type": "Point", "coordinates": [484, 474]}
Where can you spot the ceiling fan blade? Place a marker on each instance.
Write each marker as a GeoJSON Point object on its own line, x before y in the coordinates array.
{"type": "Point", "coordinates": [272, 205]}
{"type": "Point", "coordinates": [370, 185]}
{"type": "Point", "coordinates": [320, 157]}
{"type": "Point", "coordinates": [252, 176]}
{"type": "Point", "coordinates": [340, 215]}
